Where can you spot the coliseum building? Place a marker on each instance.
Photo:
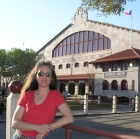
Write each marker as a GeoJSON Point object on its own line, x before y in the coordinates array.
{"type": "Point", "coordinates": [95, 56]}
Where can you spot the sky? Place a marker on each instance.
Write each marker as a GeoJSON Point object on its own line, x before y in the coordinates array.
{"type": "Point", "coordinates": [33, 23]}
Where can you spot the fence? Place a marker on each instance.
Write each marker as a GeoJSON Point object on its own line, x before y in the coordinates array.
{"type": "Point", "coordinates": [116, 103]}
{"type": "Point", "coordinates": [12, 102]}
{"type": "Point", "coordinates": [93, 131]}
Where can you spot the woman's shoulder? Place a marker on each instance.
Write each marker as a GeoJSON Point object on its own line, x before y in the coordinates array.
{"type": "Point", "coordinates": [29, 93]}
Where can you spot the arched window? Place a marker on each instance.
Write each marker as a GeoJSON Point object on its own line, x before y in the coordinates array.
{"type": "Point", "coordinates": [76, 65]}
{"type": "Point", "coordinates": [60, 66]}
{"type": "Point", "coordinates": [105, 85]}
{"type": "Point", "coordinates": [68, 66]}
{"type": "Point", "coordinates": [81, 42]}
{"type": "Point", "coordinates": [85, 64]}
{"type": "Point", "coordinates": [124, 85]}
{"type": "Point", "coordinates": [114, 85]}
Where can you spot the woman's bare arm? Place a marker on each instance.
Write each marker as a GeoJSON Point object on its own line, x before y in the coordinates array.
{"type": "Point", "coordinates": [66, 119]}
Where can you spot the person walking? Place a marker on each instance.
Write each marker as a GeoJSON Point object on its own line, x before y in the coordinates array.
{"type": "Point", "coordinates": [39, 101]}
{"type": "Point", "coordinates": [133, 102]}
{"type": "Point", "coordinates": [65, 94]}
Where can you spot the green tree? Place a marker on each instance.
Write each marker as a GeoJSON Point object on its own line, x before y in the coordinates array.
{"type": "Point", "coordinates": [3, 56]}
{"type": "Point", "coordinates": [2, 60]}
{"type": "Point", "coordinates": [20, 62]}
{"type": "Point", "coordinates": [105, 7]}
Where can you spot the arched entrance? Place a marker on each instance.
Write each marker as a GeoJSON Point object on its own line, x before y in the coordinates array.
{"type": "Point", "coordinates": [62, 87]}
{"type": "Point", "coordinates": [72, 88]}
{"type": "Point", "coordinates": [81, 90]}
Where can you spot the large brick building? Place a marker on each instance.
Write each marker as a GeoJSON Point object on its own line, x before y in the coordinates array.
{"type": "Point", "coordinates": [89, 55]}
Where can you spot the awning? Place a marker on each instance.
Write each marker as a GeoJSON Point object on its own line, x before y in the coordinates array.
{"type": "Point", "coordinates": [76, 76]}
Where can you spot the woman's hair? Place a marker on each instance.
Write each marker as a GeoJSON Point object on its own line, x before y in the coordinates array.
{"type": "Point", "coordinates": [31, 83]}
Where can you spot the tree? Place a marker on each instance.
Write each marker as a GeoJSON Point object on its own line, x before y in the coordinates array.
{"type": "Point", "coordinates": [2, 63]}
{"type": "Point", "coordinates": [105, 7]}
{"type": "Point", "coordinates": [20, 62]}
{"type": "Point", "coordinates": [2, 60]}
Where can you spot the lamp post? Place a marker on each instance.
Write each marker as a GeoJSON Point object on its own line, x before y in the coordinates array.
{"type": "Point", "coordinates": [131, 65]}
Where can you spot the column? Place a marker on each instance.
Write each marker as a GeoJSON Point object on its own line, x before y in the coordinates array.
{"type": "Point", "coordinates": [76, 89]}
{"type": "Point", "coordinates": [11, 106]}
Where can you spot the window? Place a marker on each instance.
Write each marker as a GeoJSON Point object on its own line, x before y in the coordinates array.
{"type": "Point", "coordinates": [68, 66]}
{"type": "Point", "coordinates": [114, 85]}
{"type": "Point", "coordinates": [76, 65]}
{"type": "Point", "coordinates": [85, 64]}
{"type": "Point", "coordinates": [81, 42]}
{"type": "Point", "coordinates": [105, 67]}
{"type": "Point", "coordinates": [124, 66]}
{"type": "Point", "coordinates": [114, 66]}
{"type": "Point", "coordinates": [124, 85]}
{"type": "Point", "coordinates": [60, 67]}
{"type": "Point", "coordinates": [105, 85]}
{"type": "Point", "coordinates": [53, 66]}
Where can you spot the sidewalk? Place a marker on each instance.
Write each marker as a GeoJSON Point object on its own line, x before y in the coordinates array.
{"type": "Point", "coordinates": [120, 109]}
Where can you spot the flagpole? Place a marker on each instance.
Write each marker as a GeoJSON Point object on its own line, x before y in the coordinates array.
{"type": "Point", "coordinates": [131, 31]}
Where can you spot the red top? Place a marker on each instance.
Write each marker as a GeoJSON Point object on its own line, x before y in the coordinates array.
{"type": "Point", "coordinates": [43, 113]}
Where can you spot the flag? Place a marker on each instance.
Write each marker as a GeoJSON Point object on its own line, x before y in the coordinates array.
{"type": "Point", "coordinates": [128, 12]}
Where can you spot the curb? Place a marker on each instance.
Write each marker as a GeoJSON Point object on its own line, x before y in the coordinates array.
{"type": "Point", "coordinates": [95, 114]}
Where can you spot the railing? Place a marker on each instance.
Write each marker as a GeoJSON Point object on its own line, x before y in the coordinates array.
{"type": "Point", "coordinates": [117, 103]}
{"type": "Point", "coordinates": [97, 132]}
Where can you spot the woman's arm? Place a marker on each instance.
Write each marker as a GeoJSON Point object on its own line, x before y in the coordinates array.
{"type": "Point", "coordinates": [66, 119]}
{"type": "Point", "coordinates": [17, 123]}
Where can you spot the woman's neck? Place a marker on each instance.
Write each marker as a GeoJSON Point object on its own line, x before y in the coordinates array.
{"type": "Point", "coordinates": [42, 91]}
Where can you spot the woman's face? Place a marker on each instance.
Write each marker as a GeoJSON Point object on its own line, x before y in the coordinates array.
{"type": "Point", "coordinates": [44, 76]}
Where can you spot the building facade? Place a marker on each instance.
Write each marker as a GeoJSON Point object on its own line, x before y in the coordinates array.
{"type": "Point", "coordinates": [118, 74]}
{"type": "Point", "coordinates": [83, 41]}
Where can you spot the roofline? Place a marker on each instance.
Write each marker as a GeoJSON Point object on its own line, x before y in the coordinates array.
{"type": "Point", "coordinates": [54, 38]}
{"type": "Point", "coordinates": [114, 26]}
{"type": "Point", "coordinates": [103, 61]}
{"type": "Point", "coordinates": [135, 51]}
{"type": "Point", "coordinates": [89, 21]}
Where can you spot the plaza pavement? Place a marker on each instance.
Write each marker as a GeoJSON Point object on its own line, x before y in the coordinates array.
{"type": "Point", "coordinates": [121, 109]}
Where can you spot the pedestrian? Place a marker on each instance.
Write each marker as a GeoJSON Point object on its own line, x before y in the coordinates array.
{"type": "Point", "coordinates": [3, 93]}
{"type": "Point", "coordinates": [65, 94]}
{"type": "Point", "coordinates": [39, 101]}
{"type": "Point", "coordinates": [133, 102]}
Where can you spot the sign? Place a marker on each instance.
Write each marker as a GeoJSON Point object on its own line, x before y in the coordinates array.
{"type": "Point", "coordinates": [115, 75]}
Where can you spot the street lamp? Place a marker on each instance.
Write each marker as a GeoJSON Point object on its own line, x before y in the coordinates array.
{"type": "Point", "coordinates": [131, 64]}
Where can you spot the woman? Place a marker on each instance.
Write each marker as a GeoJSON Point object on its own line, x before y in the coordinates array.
{"type": "Point", "coordinates": [39, 101]}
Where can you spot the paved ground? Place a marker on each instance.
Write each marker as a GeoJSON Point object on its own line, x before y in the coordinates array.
{"type": "Point", "coordinates": [125, 121]}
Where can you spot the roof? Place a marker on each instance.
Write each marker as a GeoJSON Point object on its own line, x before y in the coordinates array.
{"type": "Point", "coordinates": [75, 76]}
{"type": "Point", "coordinates": [70, 25]}
{"type": "Point", "coordinates": [108, 24]}
{"type": "Point", "coordinates": [67, 27]}
{"type": "Point", "coordinates": [128, 54]}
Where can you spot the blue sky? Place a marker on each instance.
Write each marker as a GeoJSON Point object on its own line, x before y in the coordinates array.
{"type": "Point", "coordinates": [35, 22]}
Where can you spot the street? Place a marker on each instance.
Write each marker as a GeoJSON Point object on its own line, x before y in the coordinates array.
{"type": "Point", "coordinates": [125, 123]}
